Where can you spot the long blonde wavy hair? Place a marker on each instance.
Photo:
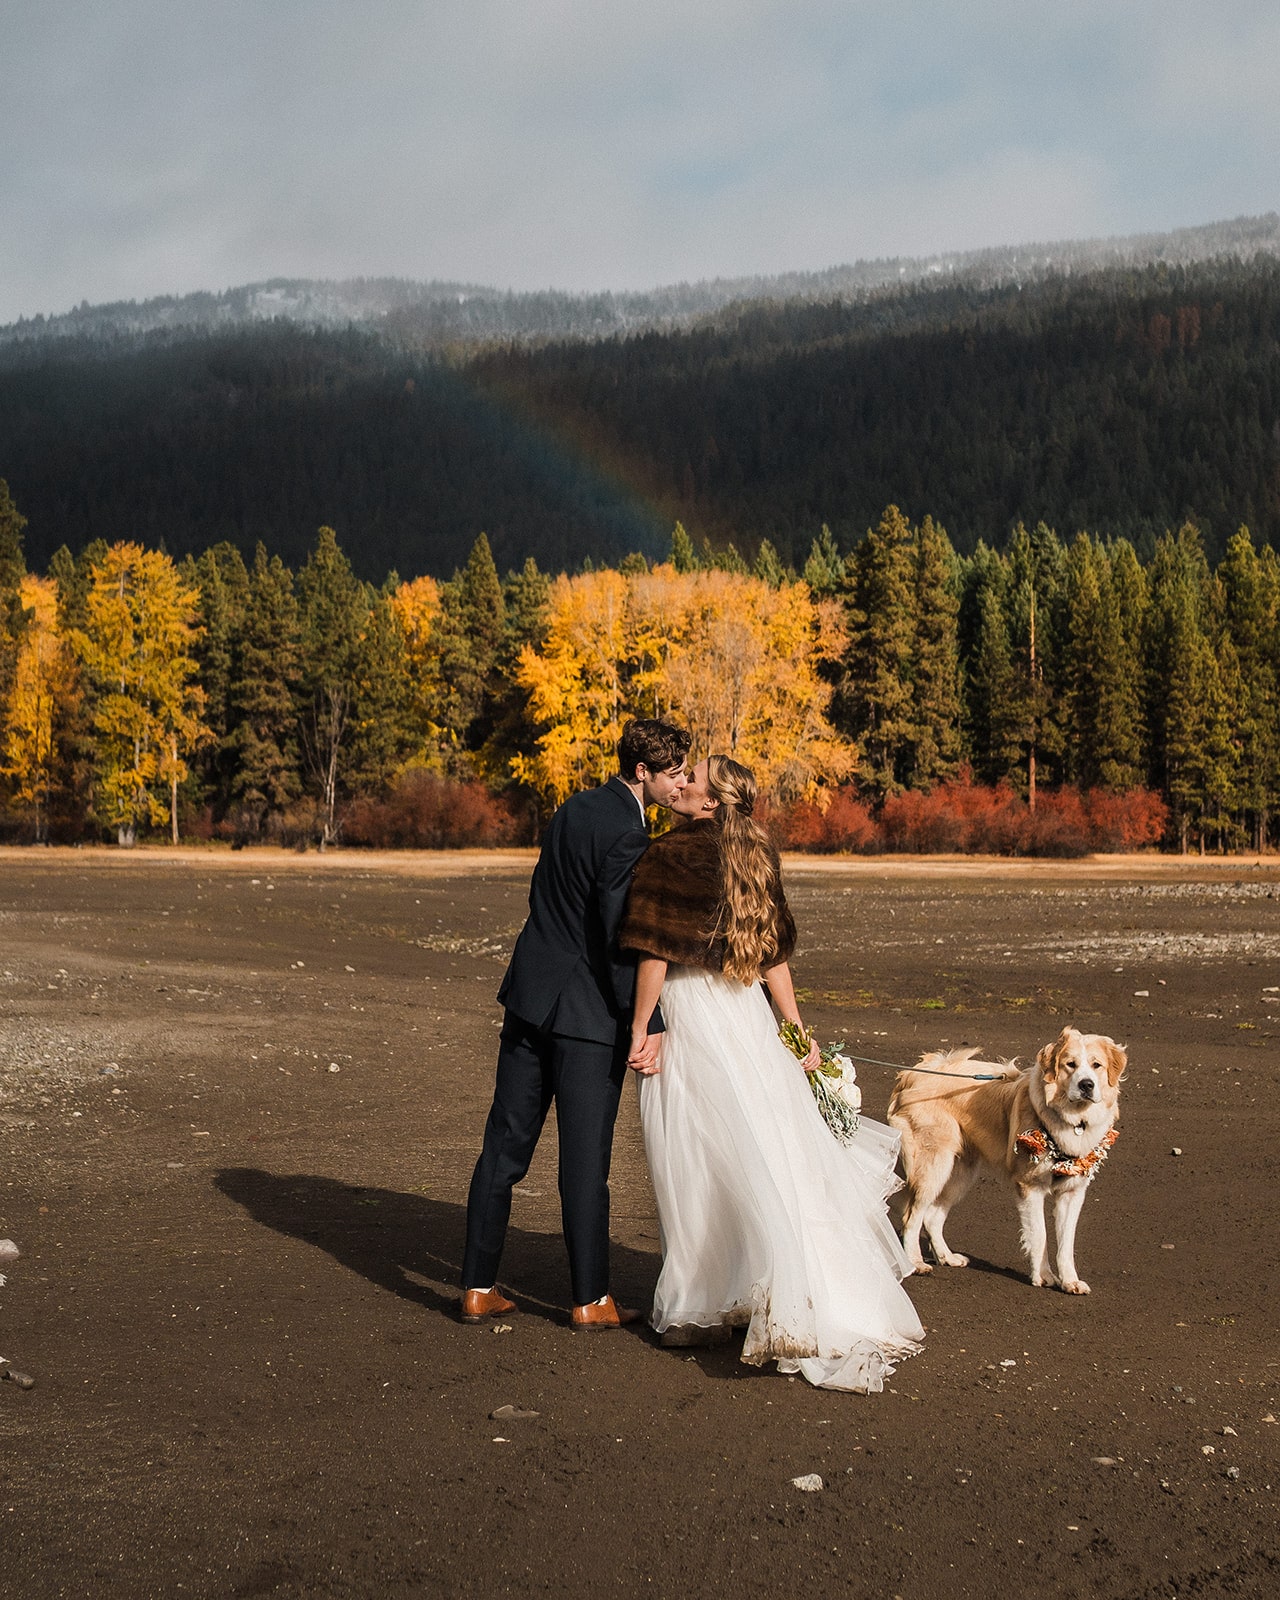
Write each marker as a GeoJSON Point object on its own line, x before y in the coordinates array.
{"type": "Point", "coordinates": [748, 866]}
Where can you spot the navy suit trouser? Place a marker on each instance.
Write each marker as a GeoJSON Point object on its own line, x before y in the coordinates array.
{"type": "Point", "coordinates": [585, 1079]}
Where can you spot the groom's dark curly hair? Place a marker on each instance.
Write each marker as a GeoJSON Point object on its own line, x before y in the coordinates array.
{"type": "Point", "coordinates": [659, 745]}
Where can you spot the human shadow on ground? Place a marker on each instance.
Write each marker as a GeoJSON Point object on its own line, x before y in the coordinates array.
{"type": "Point", "coordinates": [395, 1240]}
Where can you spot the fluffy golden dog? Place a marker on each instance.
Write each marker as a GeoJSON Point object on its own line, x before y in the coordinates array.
{"type": "Point", "coordinates": [1046, 1127]}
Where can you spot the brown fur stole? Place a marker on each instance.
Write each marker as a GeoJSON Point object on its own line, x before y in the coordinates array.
{"type": "Point", "coordinates": [676, 900]}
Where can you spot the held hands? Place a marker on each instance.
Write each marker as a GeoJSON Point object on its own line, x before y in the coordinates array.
{"type": "Point", "coordinates": [645, 1048]}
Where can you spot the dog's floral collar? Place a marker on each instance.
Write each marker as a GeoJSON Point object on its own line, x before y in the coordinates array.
{"type": "Point", "coordinates": [1039, 1145]}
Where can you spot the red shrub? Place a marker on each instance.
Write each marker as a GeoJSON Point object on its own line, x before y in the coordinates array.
{"type": "Point", "coordinates": [1129, 821]}
{"type": "Point", "coordinates": [1058, 826]}
{"type": "Point", "coordinates": [957, 816]}
{"type": "Point", "coordinates": [923, 823]}
{"type": "Point", "coordinates": [846, 824]}
{"type": "Point", "coordinates": [964, 817]}
{"type": "Point", "coordinates": [996, 817]}
{"type": "Point", "coordinates": [849, 823]}
{"type": "Point", "coordinates": [426, 812]}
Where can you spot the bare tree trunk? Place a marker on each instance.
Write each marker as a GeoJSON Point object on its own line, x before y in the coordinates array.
{"type": "Point", "coordinates": [337, 720]}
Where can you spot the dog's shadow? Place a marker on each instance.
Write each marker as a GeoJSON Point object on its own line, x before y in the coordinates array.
{"type": "Point", "coordinates": [976, 1264]}
{"type": "Point", "coordinates": [411, 1245]}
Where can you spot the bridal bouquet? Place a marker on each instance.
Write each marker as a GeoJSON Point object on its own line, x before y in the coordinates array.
{"type": "Point", "coordinates": [833, 1081]}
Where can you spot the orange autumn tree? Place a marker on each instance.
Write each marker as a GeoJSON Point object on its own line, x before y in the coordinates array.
{"type": "Point", "coordinates": [136, 648]}
{"type": "Point", "coordinates": [734, 660]}
{"type": "Point", "coordinates": [738, 663]}
{"type": "Point", "coordinates": [44, 688]}
{"type": "Point", "coordinates": [416, 608]}
{"type": "Point", "coordinates": [576, 685]}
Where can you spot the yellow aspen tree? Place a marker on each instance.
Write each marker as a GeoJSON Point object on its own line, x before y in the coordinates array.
{"type": "Point", "coordinates": [136, 648]}
{"type": "Point", "coordinates": [659, 606]}
{"type": "Point", "coordinates": [44, 687]}
{"type": "Point", "coordinates": [743, 673]}
{"type": "Point", "coordinates": [575, 686]}
{"type": "Point", "coordinates": [786, 734]}
{"type": "Point", "coordinates": [416, 606]}
{"type": "Point", "coordinates": [734, 660]}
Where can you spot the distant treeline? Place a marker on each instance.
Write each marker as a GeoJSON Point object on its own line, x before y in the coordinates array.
{"type": "Point", "coordinates": [1123, 402]}
{"type": "Point", "coordinates": [1056, 696]}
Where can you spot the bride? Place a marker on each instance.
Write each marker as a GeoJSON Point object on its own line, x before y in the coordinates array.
{"type": "Point", "coordinates": [767, 1220]}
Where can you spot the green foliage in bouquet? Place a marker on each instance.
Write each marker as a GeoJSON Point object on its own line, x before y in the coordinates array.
{"type": "Point", "coordinates": [833, 1081]}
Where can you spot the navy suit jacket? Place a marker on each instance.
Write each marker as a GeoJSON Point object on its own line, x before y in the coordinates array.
{"type": "Point", "coordinates": [567, 975]}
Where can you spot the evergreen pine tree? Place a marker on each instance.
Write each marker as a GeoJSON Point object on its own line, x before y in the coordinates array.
{"type": "Point", "coordinates": [472, 633]}
{"type": "Point", "coordinates": [1120, 728]}
{"type": "Point", "coordinates": [263, 698]}
{"type": "Point", "coordinates": [1177, 580]}
{"type": "Point", "coordinates": [993, 696]}
{"type": "Point", "coordinates": [333, 607]}
{"type": "Point", "coordinates": [525, 598]}
{"type": "Point", "coordinates": [683, 556]}
{"type": "Point", "coordinates": [935, 740]}
{"type": "Point", "coordinates": [1251, 604]}
{"type": "Point", "coordinates": [825, 569]}
{"type": "Point", "coordinates": [768, 566]}
{"type": "Point", "coordinates": [729, 559]}
{"type": "Point", "coordinates": [1187, 709]}
{"type": "Point", "coordinates": [976, 572]}
{"type": "Point", "coordinates": [1034, 605]}
{"type": "Point", "coordinates": [1197, 740]}
{"type": "Point", "coordinates": [382, 738]}
{"type": "Point", "coordinates": [13, 569]}
{"type": "Point", "coordinates": [1081, 664]}
{"type": "Point", "coordinates": [221, 580]}
{"type": "Point", "coordinates": [526, 602]}
{"type": "Point", "coordinates": [873, 704]}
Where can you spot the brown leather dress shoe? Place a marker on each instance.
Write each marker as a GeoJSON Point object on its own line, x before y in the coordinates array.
{"type": "Point", "coordinates": [480, 1304]}
{"type": "Point", "coordinates": [607, 1315]}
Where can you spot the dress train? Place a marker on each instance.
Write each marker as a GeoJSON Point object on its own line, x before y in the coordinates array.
{"type": "Point", "coordinates": [767, 1220]}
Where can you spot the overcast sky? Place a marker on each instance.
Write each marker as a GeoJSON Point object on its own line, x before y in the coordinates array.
{"type": "Point", "coordinates": [161, 146]}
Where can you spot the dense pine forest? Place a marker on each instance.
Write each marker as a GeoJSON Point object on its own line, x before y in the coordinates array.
{"type": "Point", "coordinates": [1054, 696]}
{"type": "Point", "coordinates": [1122, 402]}
{"type": "Point", "coordinates": [986, 561]}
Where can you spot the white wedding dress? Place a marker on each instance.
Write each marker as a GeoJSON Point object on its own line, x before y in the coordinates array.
{"type": "Point", "coordinates": [767, 1220]}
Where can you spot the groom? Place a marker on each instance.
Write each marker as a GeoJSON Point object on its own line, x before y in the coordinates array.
{"type": "Point", "coordinates": [568, 995]}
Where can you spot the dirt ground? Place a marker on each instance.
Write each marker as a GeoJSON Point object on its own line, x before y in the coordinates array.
{"type": "Point", "coordinates": [241, 1096]}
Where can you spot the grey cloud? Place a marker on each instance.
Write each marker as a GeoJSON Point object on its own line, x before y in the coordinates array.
{"type": "Point", "coordinates": [167, 145]}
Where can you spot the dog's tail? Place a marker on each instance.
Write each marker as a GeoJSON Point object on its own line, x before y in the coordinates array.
{"type": "Point", "coordinates": [944, 1074]}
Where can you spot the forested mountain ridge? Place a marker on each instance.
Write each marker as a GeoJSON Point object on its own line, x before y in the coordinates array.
{"type": "Point", "coordinates": [1122, 401]}
{"type": "Point", "coordinates": [439, 314]}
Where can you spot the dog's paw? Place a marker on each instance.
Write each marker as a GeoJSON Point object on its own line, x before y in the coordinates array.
{"type": "Point", "coordinates": [1044, 1280]}
{"type": "Point", "coordinates": [953, 1260]}
{"type": "Point", "coordinates": [922, 1269]}
{"type": "Point", "coordinates": [1075, 1286]}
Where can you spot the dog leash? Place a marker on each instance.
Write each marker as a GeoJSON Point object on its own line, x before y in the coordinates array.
{"type": "Point", "coordinates": [928, 1072]}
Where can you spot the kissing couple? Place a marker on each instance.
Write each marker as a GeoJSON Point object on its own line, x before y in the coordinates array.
{"type": "Point", "coordinates": [650, 957]}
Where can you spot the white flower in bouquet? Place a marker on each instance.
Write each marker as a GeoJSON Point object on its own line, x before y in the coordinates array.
{"type": "Point", "coordinates": [833, 1081]}
{"type": "Point", "coordinates": [844, 1079]}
